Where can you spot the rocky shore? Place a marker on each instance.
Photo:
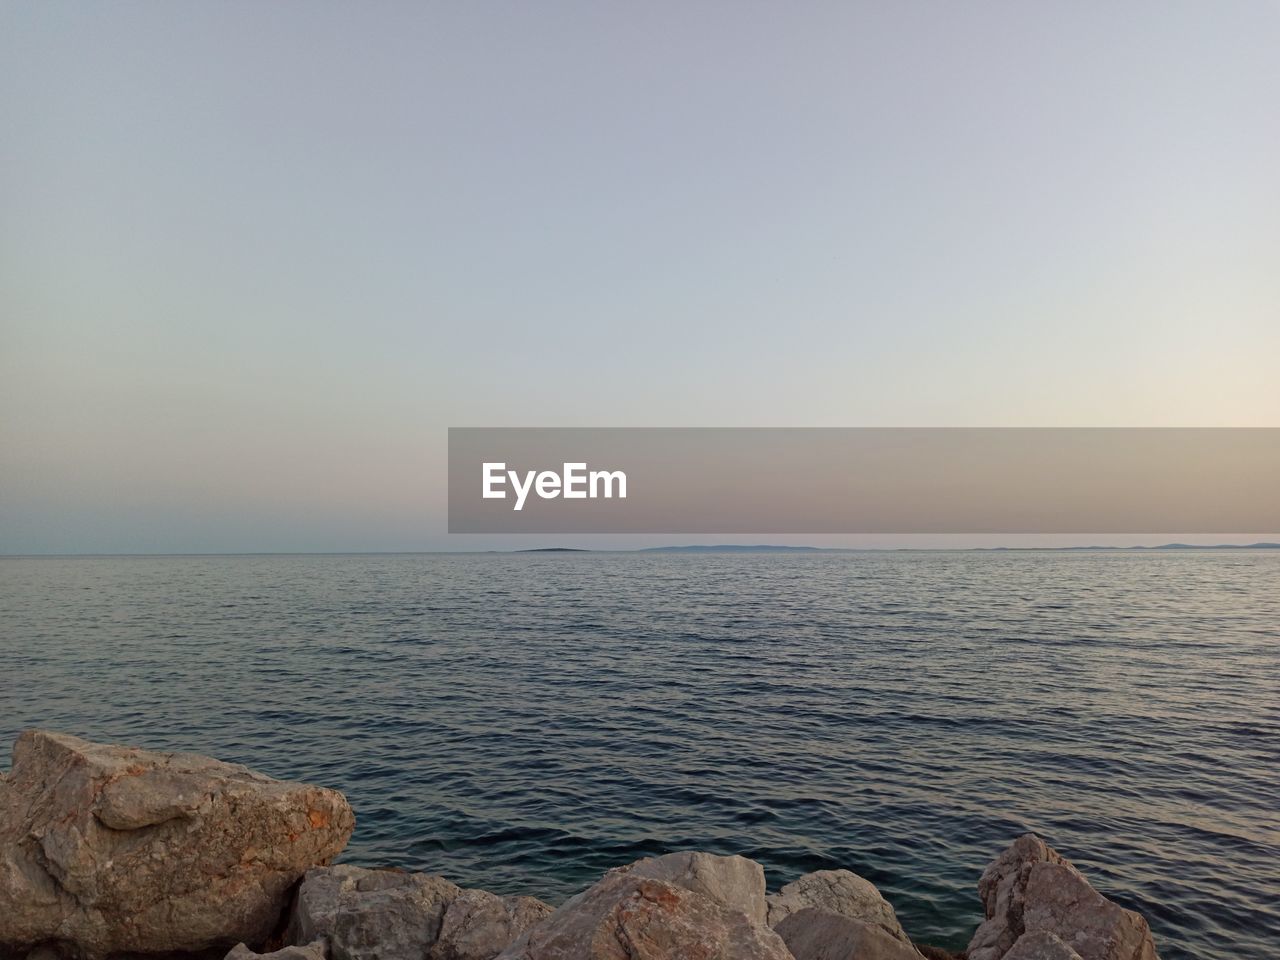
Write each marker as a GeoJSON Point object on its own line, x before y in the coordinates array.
{"type": "Point", "coordinates": [115, 852]}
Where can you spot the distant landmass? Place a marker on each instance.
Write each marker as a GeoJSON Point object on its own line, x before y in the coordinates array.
{"type": "Point", "coordinates": [731, 548]}
{"type": "Point", "coordinates": [777, 548]}
{"type": "Point", "coordinates": [1163, 546]}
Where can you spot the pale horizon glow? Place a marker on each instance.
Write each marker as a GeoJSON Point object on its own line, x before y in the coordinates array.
{"type": "Point", "coordinates": [255, 259]}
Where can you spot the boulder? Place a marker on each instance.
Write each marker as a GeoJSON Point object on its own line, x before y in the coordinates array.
{"type": "Point", "coordinates": [644, 912]}
{"type": "Point", "coordinates": [107, 849]}
{"type": "Point", "coordinates": [393, 915]}
{"type": "Point", "coordinates": [370, 914]}
{"type": "Point", "coordinates": [840, 892]}
{"type": "Point", "coordinates": [1031, 888]}
{"type": "Point", "coordinates": [1041, 945]}
{"type": "Point", "coordinates": [734, 881]}
{"type": "Point", "coordinates": [816, 934]}
{"type": "Point", "coordinates": [478, 925]}
{"type": "Point", "coordinates": [312, 951]}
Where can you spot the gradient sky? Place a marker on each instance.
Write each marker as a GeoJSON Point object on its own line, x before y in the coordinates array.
{"type": "Point", "coordinates": [255, 258]}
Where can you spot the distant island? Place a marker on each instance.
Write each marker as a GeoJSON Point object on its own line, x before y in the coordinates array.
{"type": "Point", "coordinates": [731, 548]}
{"type": "Point", "coordinates": [778, 548]}
{"type": "Point", "coordinates": [1163, 546]}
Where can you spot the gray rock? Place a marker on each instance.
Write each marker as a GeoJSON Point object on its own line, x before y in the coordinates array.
{"type": "Point", "coordinates": [816, 934]}
{"type": "Point", "coordinates": [312, 951]}
{"type": "Point", "coordinates": [840, 892]}
{"type": "Point", "coordinates": [1001, 888]}
{"type": "Point", "coordinates": [630, 916]}
{"type": "Point", "coordinates": [393, 915]}
{"type": "Point", "coordinates": [119, 850]}
{"type": "Point", "coordinates": [371, 914]}
{"type": "Point", "coordinates": [734, 881]}
{"type": "Point", "coordinates": [478, 925]}
{"type": "Point", "coordinates": [1031, 888]}
{"type": "Point", "coordinates": [1041, 945]}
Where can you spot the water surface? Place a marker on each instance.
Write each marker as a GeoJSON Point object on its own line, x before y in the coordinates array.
{"type": "Point", "coordinates": [523, 722]}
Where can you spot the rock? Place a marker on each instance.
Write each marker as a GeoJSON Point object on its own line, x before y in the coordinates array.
{"type": "Point", "coordinates": [840, 892]}
{"type": "Point", "coordinates": [937, 953]}
{"type": "Point", "coordinates": [370, 914]}
{"type": "Point", "coordinates": [1001, 888]}
{"type": "Point", "coordinates": [478, 925]}
{"type": "Point", "coordinates": [733, 881]}
{"type": "Point", "coordinates": [392, 915]}
{"type": "Point", "coordinates": [1041, 945]}
{"type": "Point", "coordinates": [1031, 888]}
{"type": "Point", "coordinates": [631, 915]}
{"type": "Point", "coordinates": [816, 934]}
{"type": "Point", "coordinates": [107, 849]}
{"type": "Point", "coordinates": [1060, 901]}
{"type": "Point", "coordinates": [312, 951]}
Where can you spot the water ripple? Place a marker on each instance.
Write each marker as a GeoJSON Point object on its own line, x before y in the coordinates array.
{"type": "Point", "coordinates": [525, 722]}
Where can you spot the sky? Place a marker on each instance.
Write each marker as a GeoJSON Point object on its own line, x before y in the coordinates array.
{"type": "Point", "coordinates": [255, 259]}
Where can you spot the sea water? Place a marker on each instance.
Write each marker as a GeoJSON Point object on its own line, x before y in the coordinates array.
{"type": "Point", "coordinates": [522, 722]}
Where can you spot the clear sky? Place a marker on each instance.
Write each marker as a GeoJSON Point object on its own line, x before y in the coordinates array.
{"type": "Point", "coordinates": [255, 258]}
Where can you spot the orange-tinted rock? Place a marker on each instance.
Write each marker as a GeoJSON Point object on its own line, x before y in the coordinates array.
{"type": "Point", "coordinates": [113, 849]}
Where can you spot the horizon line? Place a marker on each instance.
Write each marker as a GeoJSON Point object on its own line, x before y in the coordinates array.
{"type": "Point", "coordinates": [727, 547]}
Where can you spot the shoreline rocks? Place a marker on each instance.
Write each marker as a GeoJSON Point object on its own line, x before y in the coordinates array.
{"type": "Point", "coordinates": [1032, 893]}
{"type": "Point", "coordinates": [370, 914]}
{"type": "Point", "coordinates": [839, 892]}
{"type": "Point", "coordinates": [682, 905]}
{"type": "Point", "coordinates": [116, 853]}
{"type": "Point", "coordinates": [108, 849]}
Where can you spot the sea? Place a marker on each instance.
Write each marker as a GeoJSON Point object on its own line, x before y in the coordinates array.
{"type": "Point", "coordinates": [523, 721]}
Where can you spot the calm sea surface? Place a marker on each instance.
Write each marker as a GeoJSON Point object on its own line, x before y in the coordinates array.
{"type": "Point", "coordinates": [523, 722]}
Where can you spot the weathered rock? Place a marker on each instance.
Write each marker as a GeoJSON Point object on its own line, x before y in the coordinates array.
{"type": "Point", "coordinates": [312, 951]}
{"type": "Point", "coordinates": [816, 934]}
{"type": "Point", "coordinates": [630, 915]}
{"type": "Point", "coordinates": [840, 892]}
{"type": "Point", "coordinates": [371, 914]}
{"type": "Point", "coordinates": [734, 881]}
{"type": "Point", "coordinates": [937, 953]}
{"type": "Point", "coordinates": [114, 849]}
{"type": "Point", "coordinates": [1031, 888]}
{"type": "Point", "coordinates": [1041, 945]}
{"type": "Point", "coordinates": [1001, 888]}
{"type": "Point", "coordinates": [393, 915]}
{"type": "Point", "coordinates": [478, 925]}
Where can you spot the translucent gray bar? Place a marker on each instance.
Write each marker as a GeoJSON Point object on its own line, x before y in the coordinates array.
{"type": "Point", "coordinates": [868, 480]}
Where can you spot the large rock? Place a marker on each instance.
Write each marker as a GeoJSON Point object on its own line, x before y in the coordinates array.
{"type": "Point", "coordinates": [1030, 889]}
{"type": "Point", "coordinates": [816, 934]}
{"type": "Point", "coordinates": [840, 892]}
{"type": "Point", "coordinates": [478, 925]}
{"type": "Point", "coordinates": [370, 914]}
{"type": "Point", "coordinates": [679, 907]}
{"type": "Point", "coordinates": [1041, 945]}
{"type": "Point", "coordinates": [733, 881]}
{"type": "Point", "coordinates": [392, 915]}
{"type": "Point", "coordinates": [312, 951]}
{"type": "Point", "coordinates": [108, 849]}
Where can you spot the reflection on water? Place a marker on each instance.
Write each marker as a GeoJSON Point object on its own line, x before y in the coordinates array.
{"type": "Point", "coordinates": [523, 722]}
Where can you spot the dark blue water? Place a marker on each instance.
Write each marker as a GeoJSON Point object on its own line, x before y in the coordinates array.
{"type": "Point", "coordinates": [523, 722]}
